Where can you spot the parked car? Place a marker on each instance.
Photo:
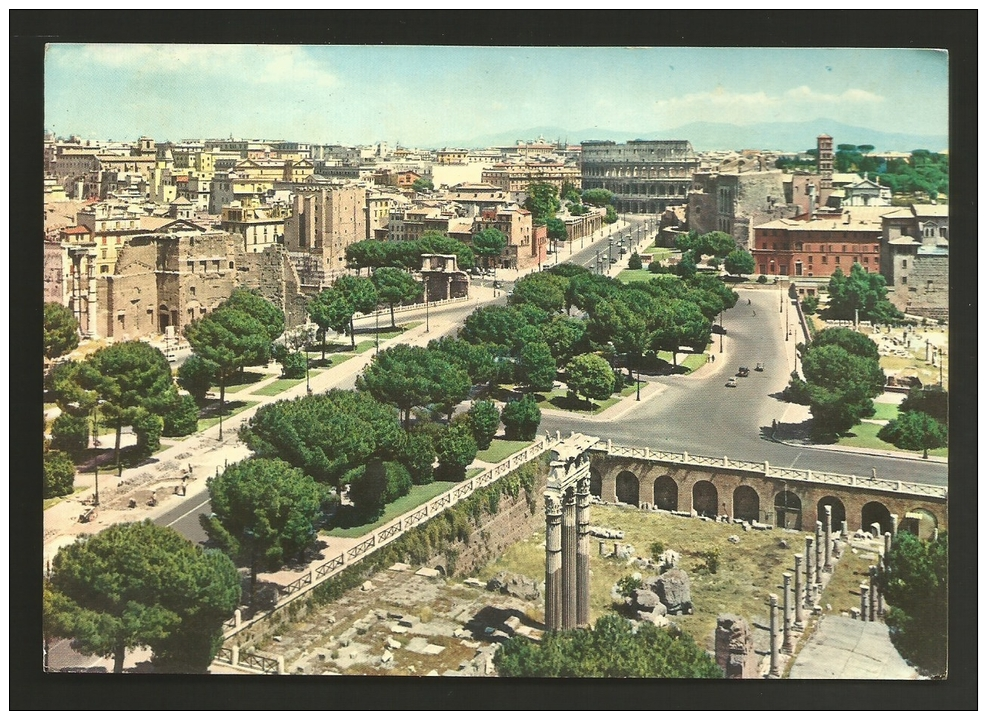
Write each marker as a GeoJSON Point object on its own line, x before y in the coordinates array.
{"type": "Point", "coordinates": [732, 383]}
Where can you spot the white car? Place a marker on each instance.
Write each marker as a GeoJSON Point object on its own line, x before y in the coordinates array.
{"type": "Point", "coordinates": [732, 383]}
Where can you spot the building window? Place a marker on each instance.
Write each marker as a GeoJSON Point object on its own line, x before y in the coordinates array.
{"type": "Point", "coordinates": [104, 269]}
{"type": "Point", "coordinates": [231, 265]}
{"type": "Point", "coordinates": [866, 260]}
{"type": "Point", "coordinates": [904, 263]}
{"type": "Point", "coordinates": [844, 248]}
{"type": "Point", "coordinates": [810, 259]}
{"type": "Point", "coordinates": [837, 259]}
{"type": "Point", "coordinates": [904, 280]}
{"type": "Point", "coordinates": [191, 290]}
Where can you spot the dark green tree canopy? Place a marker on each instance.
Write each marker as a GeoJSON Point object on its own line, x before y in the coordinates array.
{"type": "Point", "coordinates": [521, 418]}
{"type": "Point", "coordinates": [849, 340]}
{"type": "Point", "coordinates": [483, 419]}
{"type": "Point", "coordinates": [543, 290]}
{"type": "Point", "coordinates": [489, 243]}
{"type": "Point", "coordinates": [556, 229]}
{"type": "Point", "coordinates": [229, 339]}
{"type": "Point", "coordinates": [915, 431]}
{"type": "Point", "coordinates": [536, 366]}
{"type": "Point", "coordinates": [590, 376]}
{"type": "Point", "coordinates": [329, 311]}
{"type": "Point", "coordinates": [598, 197]}
{"type": "Point", "coordinates": [475, 359]}
{"type": "Point", "coordinates": [915, 584]}
{"type": "Point", "coordinates": [59, 474]}
{"type": "Point", "coordinates": [860, 294]}
{"type": "Point", "coordinates": [613, 648]}
{"type": "Point", "coordinates": [197, 375]}
{"type": "Point", "coordinates": [456, 449]}
{"type": "Point", "coordinates": [738, 262]}
{"type": "Point", "coordinates": [396, 286]}
{"type": "Point", "coordinates": [141, 585]}
{"type": "Point", "coordinates": [251, 302]}
{"type": "Point", "coordinates": [433, 242]}
{"type": "Point", "coordinates": [542, 201]}
{"type": "Point", "coordinates": [265, 511]}
{"type": "Point", "coordinates": [61, 330]}
{"type": "Point", "coordinates": [324, 435]}
{"type": "Point", "coordinates": [932, 401]}
{"type": "Point", "coordinates": [421, 185]}
{"type": "Point", "coordinates": [410, 376]}
{"type": "Point", "coordinates": [366, 254]}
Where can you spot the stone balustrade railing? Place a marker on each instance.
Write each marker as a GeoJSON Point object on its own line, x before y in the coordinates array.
{"type": "Point", "coordinates": [804, 475]}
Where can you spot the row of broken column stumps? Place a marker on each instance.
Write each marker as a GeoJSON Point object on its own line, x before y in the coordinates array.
{"type": "Point", "coordinates": [821, 551]}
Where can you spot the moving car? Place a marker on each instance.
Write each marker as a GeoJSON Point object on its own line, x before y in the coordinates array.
{"type": "Point", "coordinates": [743, 371]}
{"type": "Point", "coordinates": [732, 383]}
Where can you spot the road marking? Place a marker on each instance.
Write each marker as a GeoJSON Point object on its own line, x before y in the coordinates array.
{"type": "Point", "coordinates": [797, 456]}
{"type": "Point", "coordinates": [190, 511]}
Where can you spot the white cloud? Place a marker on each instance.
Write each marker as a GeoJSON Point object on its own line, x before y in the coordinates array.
{"type": "Point", "coordinates": [804, 93]}
{"type": "Point", "coordinates": [258, 64]}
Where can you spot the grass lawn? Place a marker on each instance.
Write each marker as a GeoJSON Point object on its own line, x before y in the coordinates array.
{"type": "Point", "coordinates": [629, 276]}
{"type": "Point", "coordinates": [658, 252]}
{"type": "Point", "coordinates": [865, 435]}
{"type": "Point", "coordinates": [748, 571]}
{"type": "Point", "coordinates": [245, 380]}
{"type": "Point", "coordinates": [232, 408]}
{"type": "Point", "coordinates": [418, 496]}
{"type": "Point", "coordinates": [691, 362]}
{"type": "Point", "coordinates": [559, 399]}
{"type": "Point", "coordinates": [500, 449]}
{"type": "Point", "coordinates": [884, 411]}
{"type": "Point", "coordinates": [282, 384]}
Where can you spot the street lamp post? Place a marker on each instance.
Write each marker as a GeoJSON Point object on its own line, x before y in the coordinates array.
{"type": "Point", "coordinates": [609, 253]}
{"type": "Point", "coordinates": [426, 304]}
{"type": "Point", "coordinates": [721, 331]}
{"type": "Point", "coordinates": [599, 261]}
{"type": "Point", "coordinates": [376, 330]}
{"type": "Point", "coordinates": [96, 445]}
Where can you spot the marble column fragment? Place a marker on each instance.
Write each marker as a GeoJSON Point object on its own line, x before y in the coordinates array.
{"type": "Point", "coordinates": [828, 531]}
{"type": "Point", "coordinates": [553, 562]}
{"type": "Point", "coordinates": [775, 670]}
{"type": "Point", "coordinates": [798, 592]}
{"type": "Point", "coordinates": [569, 561]}
{"type": "Point", "coordinates": [864, 593]}
{"type": "Point", "coordinates": [787, 614]}
{"type": "Point", "coordinates": [582, 552]}
{"type": "Point", "coordinates": [819, 550]}
{"type": "Point", "coordinates": [809, 567]}
{"type": "Point", "coordinates": [872, 603]}
{"type": "Point", "coordinates": [887, 543]}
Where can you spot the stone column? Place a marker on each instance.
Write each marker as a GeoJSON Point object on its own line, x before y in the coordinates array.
{"type": "Point", "coordinates": [235, 655]}
{"type": "Point", "coordinates": [872, 603]}
{"type": "Point", "coordinates": [808, 571]}
{"type": "Point", "coordinates": [887, 543]}
{"type": "Point", "coordinates": [798, 592]}
{"type": "Point", "coordinates": [787, 614]}
{"type": "Point", "coordinates": [819, 551]}
{"type": "Point", "coordinates": [569, 561]}
{"type": "Point", "coordinates": [894, 525]}
{"type": "Point", "coordinates": [864, 592]}
{"type": "Point", "coordinates": [553, 562]}
{"type": "Point", "coordinates": [828, 562]}
{"type": "Point", "coordinates": [775, 670]}
{"type": "Point", "coordinates": [582, 552]}
{"type": "Point", "coordinates": [845, 529]}
{"type": "Point", "coordinates": [91, 299]}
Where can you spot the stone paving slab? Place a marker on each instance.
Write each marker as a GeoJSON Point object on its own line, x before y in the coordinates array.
{"type": "Point", "coordinates": [842, 648]}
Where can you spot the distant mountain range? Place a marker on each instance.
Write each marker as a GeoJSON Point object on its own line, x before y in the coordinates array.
{"type": "Point", "coordinates": [706, 136]}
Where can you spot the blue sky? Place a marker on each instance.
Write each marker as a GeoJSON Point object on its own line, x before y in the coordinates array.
{"type": "Point", "coordinates": [433, 96]}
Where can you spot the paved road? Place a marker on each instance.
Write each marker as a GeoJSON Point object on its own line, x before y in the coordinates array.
{"type": "Point", "coordinates": [699, 415]}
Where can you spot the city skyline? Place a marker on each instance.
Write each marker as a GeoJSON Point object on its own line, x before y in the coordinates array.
{"type": "Point", "coordinates": [366, 94]}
